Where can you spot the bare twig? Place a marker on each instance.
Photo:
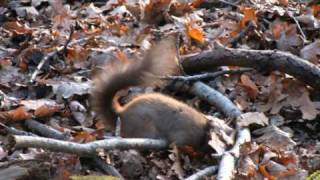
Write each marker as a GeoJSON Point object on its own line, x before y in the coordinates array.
{"type": "Point", "coordinates": [64, 49]}
{"type": "Point", "coordinates": [15, 131]}
{"type": "Point", "coordinates": [107, 168]}
{"type": "Point", "coordinates": [209, 171]}
{"type": "Point", "coordinates": [205, 75]}
{"type": "Point", "coordinates": [215, 98]}
{"type": "Point", "coordinates": [87, 149]}
{"type": "Point", "coordinates": [42, 62]}
{"type": "Point", "coordinates": [229, 3]}
{"type": "Point", "coordinates": [45, 130]}
{"type": "Point", "coordinates": [259, 59]}
{"type": "Point", "coordinates": [299, 27]}
{"type": "Point", "coordinates": [227, 163]}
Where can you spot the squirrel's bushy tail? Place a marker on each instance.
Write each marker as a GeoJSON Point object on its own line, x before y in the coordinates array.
{"type": "Point", "coordinates": [159, 60]}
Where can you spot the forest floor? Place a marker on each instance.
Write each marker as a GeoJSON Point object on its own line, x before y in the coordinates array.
{"type": "Point", "coordinates": [251, 66]}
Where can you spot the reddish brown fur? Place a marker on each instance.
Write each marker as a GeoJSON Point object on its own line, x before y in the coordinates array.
{"type": "Point", "coordinates": [151, 115]}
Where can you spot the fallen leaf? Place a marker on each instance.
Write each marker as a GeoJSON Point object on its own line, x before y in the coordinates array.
{"type": "Point", "coordinates": [253, 118]}
{"type": "Point", "coordinates": [83, 137]}
{"type": "Point", "coordinates": [251, 87]}
{"type": "Point", "coordinates": [17, 27]}
{"type": "Point", "coordinates": [216, 143]}
{"type": "Point", "coordinates": [265, 173]}
{"type": "Point", "coordinates": [275, 137]}
{"type": "Point", "coordinates": [246, 167]}
{"type": "Point", "coordinates": [249, 15]}
{"type": "Point", "coordinates": [290, 40]}
{"type": "Point", "coordinates": [307, 107]}
{"type": "Point", "coordinates": [46, 111]}
{"type": "Point", "coordinates": [195, 33]}
{"type": "Point", "coordinates": [36, 104]}
{"type": "Point", "coordinates": [311, 52]}
{"type": "Point", "coordinates": [19, 114]}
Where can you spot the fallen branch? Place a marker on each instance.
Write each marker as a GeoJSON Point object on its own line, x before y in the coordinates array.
{"type": "Point", "coordinates": [215, 98]}
{"type": "Point", "coordinates": [45, 130]}
{"type": "Point", "coordinates": [107, 168]}
{"type": "Point", "coordinates": [205, 76]}
{"type": "Point", "coordinates": [14, 131]}
{"type": "Point", "coordinates": [203, 173]}
{"type": "Point", "coordinates": [87, 149]}
{"type": "Point", "coordinates": [225, 105]}
{"type": "Point", "coordinates": [259, 59]}
{"type": "Point", "coordinates": [228, 161]}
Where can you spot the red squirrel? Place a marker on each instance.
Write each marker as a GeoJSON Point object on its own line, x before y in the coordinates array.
{"type": "Point", "coordinates": [151, 115]}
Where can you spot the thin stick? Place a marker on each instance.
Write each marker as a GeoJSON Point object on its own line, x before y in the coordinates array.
{"type": "Point", "coordinates": [45, 130]}
{"type": "Point", "coordinates": [15, 131]}
{"type": "Point", "coordinates": [208, 171]}
{"type": "Point", "coordinates": [299, 27]}
{"type": "Point", "coordinates": [87, 149]}
{"type": "Point", "coordinates": [107, 168]}
{"type": "Point", "coordinates": [64, 49]}
{"type": "Point", "coordinates": [214, 97]}
{"type": "Point", "coordinates": [204, 76]}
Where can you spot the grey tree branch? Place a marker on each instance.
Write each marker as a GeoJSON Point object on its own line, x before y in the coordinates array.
{"type": "Point", "coordinates": [45, 130]}
{"type": "Point", "coordinates": [203, 173]}
{"type": "Point", "coordinates": [226, 106]}
{"type": "Point", "coordinates": [259, 59]}
{"type": "Point", "coordinates": [87, 149]}
{"type": "Point", "coordinates": [214, 97]}
{"type": "Point", "coordinates": [199, 77]}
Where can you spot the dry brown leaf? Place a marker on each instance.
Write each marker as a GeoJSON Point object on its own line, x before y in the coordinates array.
{"type": "Point", "coordinates": [35, 104]}
{"type": "Point", "coordinates": [84, 137]}
{"type": "Point", "coordinates": [17, 27]}
{"type": "Point", "coordinates": [77, 53]}
{"type": "Point", "coordinates": [196, 3]}
{"type": "Point", "coordinates": [180, 8]}
{"type": "Point", "coordinates": [265, 173]}
{"type": "Point", "coordinates": [154, 11]}
{"type": "Point", "coordinates": [290, 40]}
{"type": "Point", "coordinates": [19, 114]}
{"type": "Point", "coordinates": [246, 167]}
{"type": "Point", "coordinates": [253, 118]}
{"type": "Point", "coordinates": [307, 107]}
{"type": "Point", "coordinates": [216, 143]}
{"type": "Point", "coordinates": [249, 15]}
{"type": "Point", "coordinates": [284, 2]}
{"type": "Point", "coordinates": [250, 86]}
{"type": "Point", "coordinates": [46, 111]}
{"type": "Point", "coordinates": [316, 10]}
{"type": "Point", "coordinates": [195, 33]}
{"type": "Point", "coordinates": [275, 137]}
{"type": "Point", "coordinates": [311, 52]}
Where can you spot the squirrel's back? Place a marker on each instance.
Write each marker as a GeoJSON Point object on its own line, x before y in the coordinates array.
{"type": "Point", "coordinates": [160, 116]}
